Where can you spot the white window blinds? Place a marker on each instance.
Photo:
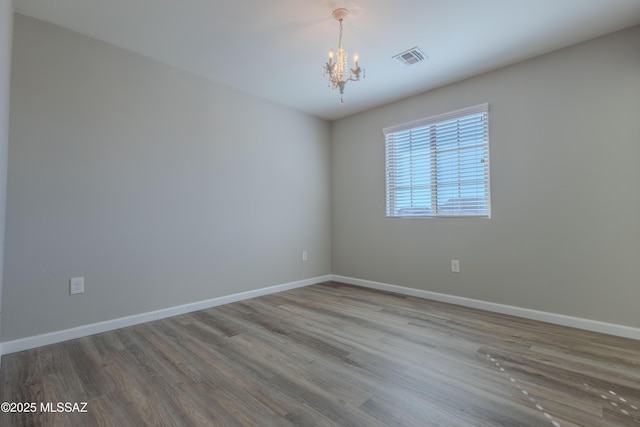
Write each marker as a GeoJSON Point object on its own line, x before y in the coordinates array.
{"type": "Point", "coordinates": [439, 166]}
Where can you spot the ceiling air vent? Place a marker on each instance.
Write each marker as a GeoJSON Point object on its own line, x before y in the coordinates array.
{"type": "Point", "coordinates": [410, 57]}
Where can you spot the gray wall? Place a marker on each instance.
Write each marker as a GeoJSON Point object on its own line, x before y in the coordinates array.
{"type": "Point", "coordinates": [564, 236]}
{"type": "Point", "coordinates": [158, 187]}
{"type": "Point", "coordinates": [6, 27]}
{"type": "Point", "coordinates": [163, 189]}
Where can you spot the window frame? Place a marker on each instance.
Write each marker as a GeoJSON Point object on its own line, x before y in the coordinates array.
{"type": "Point", "coordinates": [425, 130]}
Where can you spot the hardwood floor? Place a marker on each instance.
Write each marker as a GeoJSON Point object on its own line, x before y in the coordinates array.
{"type": "Point", "coordinates": [331, 355]}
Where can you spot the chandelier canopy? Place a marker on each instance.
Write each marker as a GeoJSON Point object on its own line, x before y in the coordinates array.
{"type": "Point", "coordinates": [338, 70]}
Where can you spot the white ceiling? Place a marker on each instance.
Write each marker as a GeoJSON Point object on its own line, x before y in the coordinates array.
{"type": "Point", "coordinates": [275, 49]}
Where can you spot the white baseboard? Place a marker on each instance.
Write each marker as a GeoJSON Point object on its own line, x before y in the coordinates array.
{"type": "Point", "coordinates": [558, 319]}
{"type": "Point", "coordinates": [109, 325]}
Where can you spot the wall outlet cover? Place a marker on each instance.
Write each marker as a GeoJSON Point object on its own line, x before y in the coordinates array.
{"type": "Point", "coordinates": [455, 266]}
{"type": "Point", "coordinates": [76, 285]}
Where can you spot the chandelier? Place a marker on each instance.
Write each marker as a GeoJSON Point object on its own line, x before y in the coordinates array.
{"type": "Point", "coordinates": [338, 71]}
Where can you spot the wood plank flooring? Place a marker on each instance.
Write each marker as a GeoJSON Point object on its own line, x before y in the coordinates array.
{"type": "Point", "coordinates": [331, 355]}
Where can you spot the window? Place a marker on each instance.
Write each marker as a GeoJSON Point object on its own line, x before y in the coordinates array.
{"type": "Point", "coordinates": [439, 166]}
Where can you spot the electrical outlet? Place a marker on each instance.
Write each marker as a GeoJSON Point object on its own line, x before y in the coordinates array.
{"type": "Point", "coordinates": [455, 266]}
{"type": "Point", "coordinates": [76, 285]}
{"type": "Point", "coordinates": [305, 256]}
